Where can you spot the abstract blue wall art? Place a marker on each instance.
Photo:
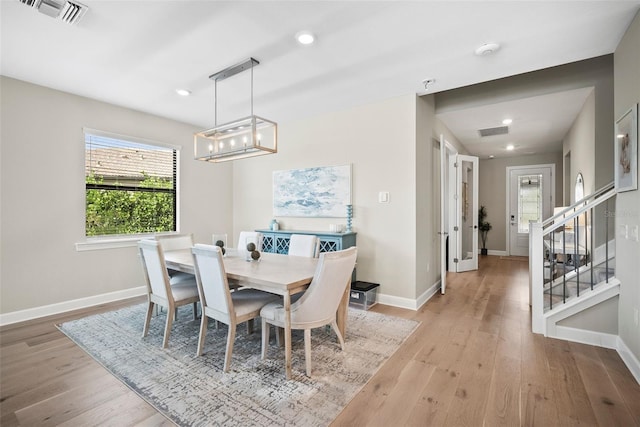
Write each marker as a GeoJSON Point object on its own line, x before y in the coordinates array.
{"type": "Point", "coordinates": [312, 192]}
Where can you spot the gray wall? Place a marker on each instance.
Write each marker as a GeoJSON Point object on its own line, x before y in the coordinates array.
{"type": "Point", "coordinates": [43, 195]}
{"type": "Point", "coordinates": [580, 141]}
{"type": "Point", "coordinates": [493, 188]}
{"type": "Point", "coordinates": [596, 73]}
{"type": "Point", "coordinates": [627, 93]}
{"type": "Point", "coordinates": [388, 148]}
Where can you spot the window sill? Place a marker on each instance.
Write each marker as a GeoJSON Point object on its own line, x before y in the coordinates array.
{"type": "Point", "coordinates": [101, 243]}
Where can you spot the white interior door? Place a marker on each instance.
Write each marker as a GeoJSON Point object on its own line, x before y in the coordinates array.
{"type": "Point", "coordinates": [466, 213]}
{"type": "Point", "coordinates": [444, 213]}
{"type": "Point", "coordinates": [531, 194]}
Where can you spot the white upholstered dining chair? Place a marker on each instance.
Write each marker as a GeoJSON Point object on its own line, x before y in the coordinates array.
{"type": "Point", "coordinates": [318, 305]}
{"type": "Point", "coordinates": [218, 302]}
{"type": "Point", "coordinates": [249, 235]}
{"type": "Point", "coordinates": [160, 291]}
{"type": "Point", "coordinates": [172, 242]}
{"type": "Point", "coordinates": [304, 245]}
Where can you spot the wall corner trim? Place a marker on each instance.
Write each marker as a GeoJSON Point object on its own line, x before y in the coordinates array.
{"type": "Point", "coordinates": [411, 304]}
{"type": "Point", "coordinates": [629, 359]}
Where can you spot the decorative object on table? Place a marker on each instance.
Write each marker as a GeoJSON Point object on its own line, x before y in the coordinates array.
{"type": "Point", "coordinates": [252, 250]}
{"type": "Point", "coordinates": [188, 389]}
{"type": "Point", "coordinates": [484, 227]}
{"type": "Point", "coordinates": [274, 226]}
{"type": "Point", "coordinates": [247, 137]}
{"type": "Point", "coordinates": [220, 244]}
{"type": "Point", "coordinates": [349, 217]}
{"type": "Point", "coordinates": [312, 192]}
{"type": "Point", "coordinates": [626, 151]}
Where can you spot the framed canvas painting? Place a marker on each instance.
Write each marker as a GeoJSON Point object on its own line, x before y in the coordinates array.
{"type": "Point", "coordinates": [312, 192]}
{"type": "Point", "coordinates": [626, 151]}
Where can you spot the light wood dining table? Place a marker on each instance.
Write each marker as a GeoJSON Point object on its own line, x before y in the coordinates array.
{"type": "Point", "coordinates": [279, 274]}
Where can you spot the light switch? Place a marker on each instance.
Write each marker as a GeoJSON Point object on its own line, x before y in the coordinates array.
{"type": "Point", "coordinates": [622, 231]}
{"type": "Point", "coordinates": [633, 233]}
{"type": "Point", "coordinates": [383, 197]}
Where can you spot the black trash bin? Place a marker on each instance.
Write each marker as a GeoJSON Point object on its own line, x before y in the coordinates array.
{"type": "Point", "coordinates": [363, 294]}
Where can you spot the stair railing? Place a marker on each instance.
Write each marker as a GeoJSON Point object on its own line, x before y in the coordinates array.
{"type": "Point", "coordinates": [561, 249]}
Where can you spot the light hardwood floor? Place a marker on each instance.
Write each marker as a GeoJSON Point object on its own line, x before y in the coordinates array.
{"type": "Point", "coordinates": [473, 361]}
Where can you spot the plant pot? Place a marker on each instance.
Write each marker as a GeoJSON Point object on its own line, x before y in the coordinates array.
{"type": "Point", "coordinates": [484, 251]}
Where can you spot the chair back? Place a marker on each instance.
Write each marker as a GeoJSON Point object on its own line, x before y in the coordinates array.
{"type": "Point", "coordinates": [321, 300]}
{"type": "Point", "coordinates": [244, 235]}
{"type": "Point", "coordinates": [211, 277]}
{"type": "Point", "coordinates": [154, 268]}
{"type": "Point", "coordinates": [173, 242]}
{"type": "Point", "coordinates": [304, 245]}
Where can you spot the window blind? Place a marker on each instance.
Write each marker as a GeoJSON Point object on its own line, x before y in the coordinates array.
{"type": "Point", "coordinates": [130, 186]}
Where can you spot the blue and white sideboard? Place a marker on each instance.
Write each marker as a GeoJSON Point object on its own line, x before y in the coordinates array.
{"type": "Point", "coordinates": [278, 241]}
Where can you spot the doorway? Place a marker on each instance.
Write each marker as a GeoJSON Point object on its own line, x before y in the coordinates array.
{"type": "Point", "coordinates": [447, 181]}
{"type": "Point", "coordinates": [531, 197]}
{"type": "Point", "coordinates": [466, 230]}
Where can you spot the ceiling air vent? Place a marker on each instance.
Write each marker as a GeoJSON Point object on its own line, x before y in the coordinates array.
{"type": "Point", "coordinates": [67, 11]}
{"type": "Point", "coordinates": [501, 130]}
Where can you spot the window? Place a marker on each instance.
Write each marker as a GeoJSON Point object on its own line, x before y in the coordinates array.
{"type": "Point", "coordinates": [529, 201]}
{"type": "Point", "coordinates": [130, 185]}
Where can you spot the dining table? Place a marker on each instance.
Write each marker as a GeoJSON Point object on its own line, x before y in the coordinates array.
{"type": "Point", "coordinates": [279, 274]}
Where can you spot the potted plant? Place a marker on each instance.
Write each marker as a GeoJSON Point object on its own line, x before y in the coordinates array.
{"type": "Point", "coordinates": [484, 228]}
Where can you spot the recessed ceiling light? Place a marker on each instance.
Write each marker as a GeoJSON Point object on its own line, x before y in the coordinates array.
{"type": "Point", "coordinates": [305, 38]}
{"type": "Point", "coordinates": [491, 156]}
{"type": "Point", "coordinates": [487, 49]}
{"type": "Point", "coordinates": [510, 147]}
{"type": "Point", "coordinates": [507, 122]}
{"type": "Point", "coordinates": [183, 92]}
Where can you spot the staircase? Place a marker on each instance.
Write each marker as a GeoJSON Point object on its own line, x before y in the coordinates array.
{"type": "Point", "coordinates": [572, 260]}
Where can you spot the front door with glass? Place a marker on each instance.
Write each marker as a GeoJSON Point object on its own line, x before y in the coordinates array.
{"type": "Point", "coordinates": [530, 200]}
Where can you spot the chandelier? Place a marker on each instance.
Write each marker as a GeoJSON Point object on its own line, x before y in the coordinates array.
{"type": "Point", "coordinates": [246, 137]}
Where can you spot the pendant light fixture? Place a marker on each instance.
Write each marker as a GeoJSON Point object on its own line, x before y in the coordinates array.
{"type": "Point", "coordinates": [246, 137]}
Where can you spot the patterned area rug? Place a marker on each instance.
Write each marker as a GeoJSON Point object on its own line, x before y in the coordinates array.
{"type": "Point", "coordinates": [194, 391]}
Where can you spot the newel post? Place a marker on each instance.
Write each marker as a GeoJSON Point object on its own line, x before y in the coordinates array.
{"type": "Point", "coordinates": [536, 277]}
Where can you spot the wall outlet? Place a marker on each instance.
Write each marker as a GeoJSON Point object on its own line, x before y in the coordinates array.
{"type": "Point", "coordinates": [383, 197]}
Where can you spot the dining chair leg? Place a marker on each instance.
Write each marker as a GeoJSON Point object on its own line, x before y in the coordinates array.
{"type": "Point", "coordinates": [334, 325]}
{"type": "Point", "coordinates": [307, 350]}
{"type": "Point", "coordinates": [145, 329]}
{"type": "Point", "coordinates": [250, 326]}
{"type": "Point", "coordinates": [265, 338]}
{"type": "Point", "coordinates": [167, 328]}
{"type": "Point", "coordinates": [195, 310]}
{"type": "Point", "coordinates": [175, 313]}
{"type": "Point", "coordinates": [203, 333]}
{"type": "Point", "coordinates": [231, 337]}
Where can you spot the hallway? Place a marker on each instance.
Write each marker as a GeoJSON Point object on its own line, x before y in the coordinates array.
{"type": "Point", "coordinates": [474, 361]}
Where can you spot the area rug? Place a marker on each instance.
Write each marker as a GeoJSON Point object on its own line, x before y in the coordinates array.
{"type": "Point", "coordinates": [193, 391]}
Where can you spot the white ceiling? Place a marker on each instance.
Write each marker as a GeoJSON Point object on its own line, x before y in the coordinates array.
{"type": "Point", "coordinates": [136, 53]}
{"type": "Point", "coordinates": [539, 124]}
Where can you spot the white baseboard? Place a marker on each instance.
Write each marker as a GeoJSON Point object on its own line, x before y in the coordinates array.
{"type": "Point", "coordinates": [629, 359]}
{"type": "Point", "coordinates": [411, 304]}
{"type": "Point", "coordinates": [497, 253]}
{"type": "Point", "coordinates": [426, 295]}
{"type": "Point", "coordinates": [600, 339]}
{"type": "Point", "coordinates": [62, 307]}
